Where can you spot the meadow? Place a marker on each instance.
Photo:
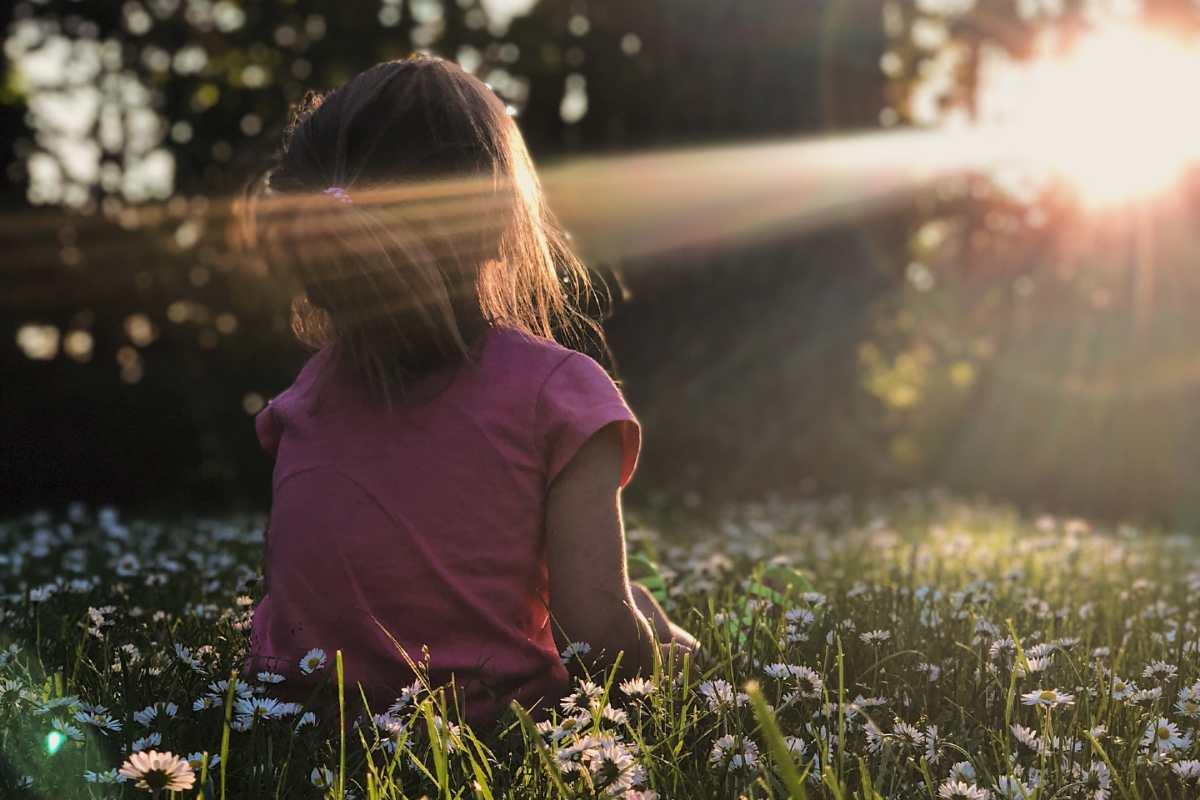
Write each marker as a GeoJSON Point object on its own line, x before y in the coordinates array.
{"type": "Point", "coordinates": [922, 647]}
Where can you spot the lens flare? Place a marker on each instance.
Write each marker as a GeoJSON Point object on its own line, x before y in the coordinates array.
{"type": "Point", "coordinates": [54, 741]}
{"type": "Point", "coordinates": [1110, 115]}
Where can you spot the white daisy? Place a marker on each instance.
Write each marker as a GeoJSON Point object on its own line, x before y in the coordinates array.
{"type": "Point", "coordinates": [1188, 770]}
{"type": "Point", "coordinates": [1010, 787]}
{"type": "Point", "coordinates": [321, 777]}
{"type": "Point", "coordinates": [150, 740]}
{"type": "Point", "coordinates": [799, 616]}
{"type": "Point", "coordinates": [726, 750]}
{"type": "Point", "coordinates": [1160, 671]}
{"type": "Point", "coordinates": [1146, 695]}
{"type": "Point", "coordinates": [312, 661]}
{"type": "Point", "coordinates": [1047, 697]}
{"type": "Point", "coordinates": [1039, 650]}
{"type": "Point", "coordinates": [795, 745]}
{"type": "Point", "coordinates": [776, 671]}
{"type": "Point", "coordinates": [808, 682]}
{"type": "Point", "coordinates": [155, 771]}
{"type": "Point", "coordinates": [962, 771]}
{"type": "Point", "coordinates": [1121, 689]}
{"type": "Point", "coordinates": [582, 698]}
{"type": "Point", "coordinates": [551, 732]}
{"type": "Point", "coordinates": [933, 745]}
{"type": "Point", "coordinates": [636, 686]}
{"type": "Point", "coordinates": [108, 776]}
{"type": "Point", "coordinates": [574, 650]}
{"type": "Point", "coordinates": [960, 790]}
{"type": "Point", "coordinates": [407, 695]}
{"type": "Point", "coordinates": [185, 655]}
{"type": "Point", "coordinates": [206, 701]}
{"type": "Point", "coordinates": [67, 729]}
{"type": "Point", "coordinates": [569, 759]}
{"type": "Point", "coordinates": [614, 715]}
{"type": "Point", "coordinates": [720, 694]}
{"type": "Point", "coordinates": [1163, 735]}
{"type": "Point", "coordinates": [907, 734]}
{"type": "Point", "coordinates": [97, 718]}
{"type": "Point", "coordinates": [196, 760]}
{"type": "Point", "coordinates": [1000, 648]}
{"type": "Point", "coordinates": [240, 689]}
{"type": "Point", "coordinates": [611, 764]}
{"type": "Point", "coordinates": [875, 737]}
{"type": "Point", "coordinates": [875, 637]}
{"type": "Point", "coordinates": [259, 708]}
{"type": "Point", "coordinates": [152, 712]}
{"type": "Point", "coordinates": [1027, 737]}
{"type": "Point", "coordinates": [1095, 780]}
{"type": "Point", "coordinates": [1032, 665]}
{"type": "Point", "coordinates": [1188, 703]}
{"type": "Point", "coordinates": [932, 670]}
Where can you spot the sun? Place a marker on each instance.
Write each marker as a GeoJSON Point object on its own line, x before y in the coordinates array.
{"type": "Point", "coordinates": [1112, 114]}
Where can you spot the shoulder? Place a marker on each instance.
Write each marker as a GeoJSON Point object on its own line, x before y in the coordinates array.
{"type": "Point", "coordinates": [537, 356]}
{"type": "Point", "coordinates": [547, 373]}
{"type": "Point", "coordinates": [300, 387]}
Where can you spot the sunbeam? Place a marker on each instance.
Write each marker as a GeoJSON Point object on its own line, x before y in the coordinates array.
{"type": "Point", "coordinates": [615, 207]}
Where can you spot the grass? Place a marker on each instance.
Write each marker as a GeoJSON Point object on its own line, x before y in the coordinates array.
{"type": "Point", "coordinates": [875, 651]}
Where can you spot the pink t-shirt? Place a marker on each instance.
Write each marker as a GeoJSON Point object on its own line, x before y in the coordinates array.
{"type": "Point", "coordinates": [429, 522]}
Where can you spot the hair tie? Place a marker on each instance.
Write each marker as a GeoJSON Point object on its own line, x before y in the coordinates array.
{"type": "Point", "coordinates": [338, 193]}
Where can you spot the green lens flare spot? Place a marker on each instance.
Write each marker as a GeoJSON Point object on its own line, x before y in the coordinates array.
{"type": "Point", "coordinates": [54, 741]}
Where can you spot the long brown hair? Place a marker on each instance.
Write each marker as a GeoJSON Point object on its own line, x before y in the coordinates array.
{"type": "Point", "coordinates": [404, 212]}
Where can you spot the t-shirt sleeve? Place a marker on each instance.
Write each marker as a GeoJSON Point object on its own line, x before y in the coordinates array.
{"type": "Point", "coordinates": [268, 429]}
{"type": "Point", "coordinates": [576, 401]}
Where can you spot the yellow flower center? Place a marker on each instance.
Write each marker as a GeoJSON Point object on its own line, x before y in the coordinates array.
{"type": "Point", "coordinates": [1048, 695]}
{"type": "Point", "coordinates": [1163, 733]}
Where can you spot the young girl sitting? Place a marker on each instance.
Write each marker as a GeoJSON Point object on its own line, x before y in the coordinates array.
{"type": "Point", "coordinates": [447, 476]}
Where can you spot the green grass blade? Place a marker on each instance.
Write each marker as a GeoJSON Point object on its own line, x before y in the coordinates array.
{"type": "Point", "coordinates": [225, 728]}
{"type": "Point", "coordinates": [778, 747]}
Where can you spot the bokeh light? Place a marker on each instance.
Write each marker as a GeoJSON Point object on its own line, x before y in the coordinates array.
{"type": "Point", "coordinates": [38, 342]}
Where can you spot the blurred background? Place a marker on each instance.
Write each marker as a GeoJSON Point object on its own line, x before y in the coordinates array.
{"type": "Point", "coordinates": [856, 245]}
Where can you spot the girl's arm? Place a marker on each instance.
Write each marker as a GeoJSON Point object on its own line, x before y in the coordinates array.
{"type": "Point", "coordinates": [591, 599]}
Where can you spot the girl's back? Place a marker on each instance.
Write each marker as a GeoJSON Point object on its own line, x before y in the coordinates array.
{"type": "Point", "coordinates": [425, 524]}
{"type": "Point", "coordinates": [438, 481]}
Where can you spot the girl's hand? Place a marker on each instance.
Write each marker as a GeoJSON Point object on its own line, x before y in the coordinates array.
{"type": "Point", "coordinates": [665, 631]}
{"type": "Point", "coordinates": [674, 640]}
{"type": "Point", "coordinates": [652, 611]}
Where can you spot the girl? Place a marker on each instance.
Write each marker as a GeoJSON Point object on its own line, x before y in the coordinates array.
{"type": "Point", "coordinates": [447, 476]}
